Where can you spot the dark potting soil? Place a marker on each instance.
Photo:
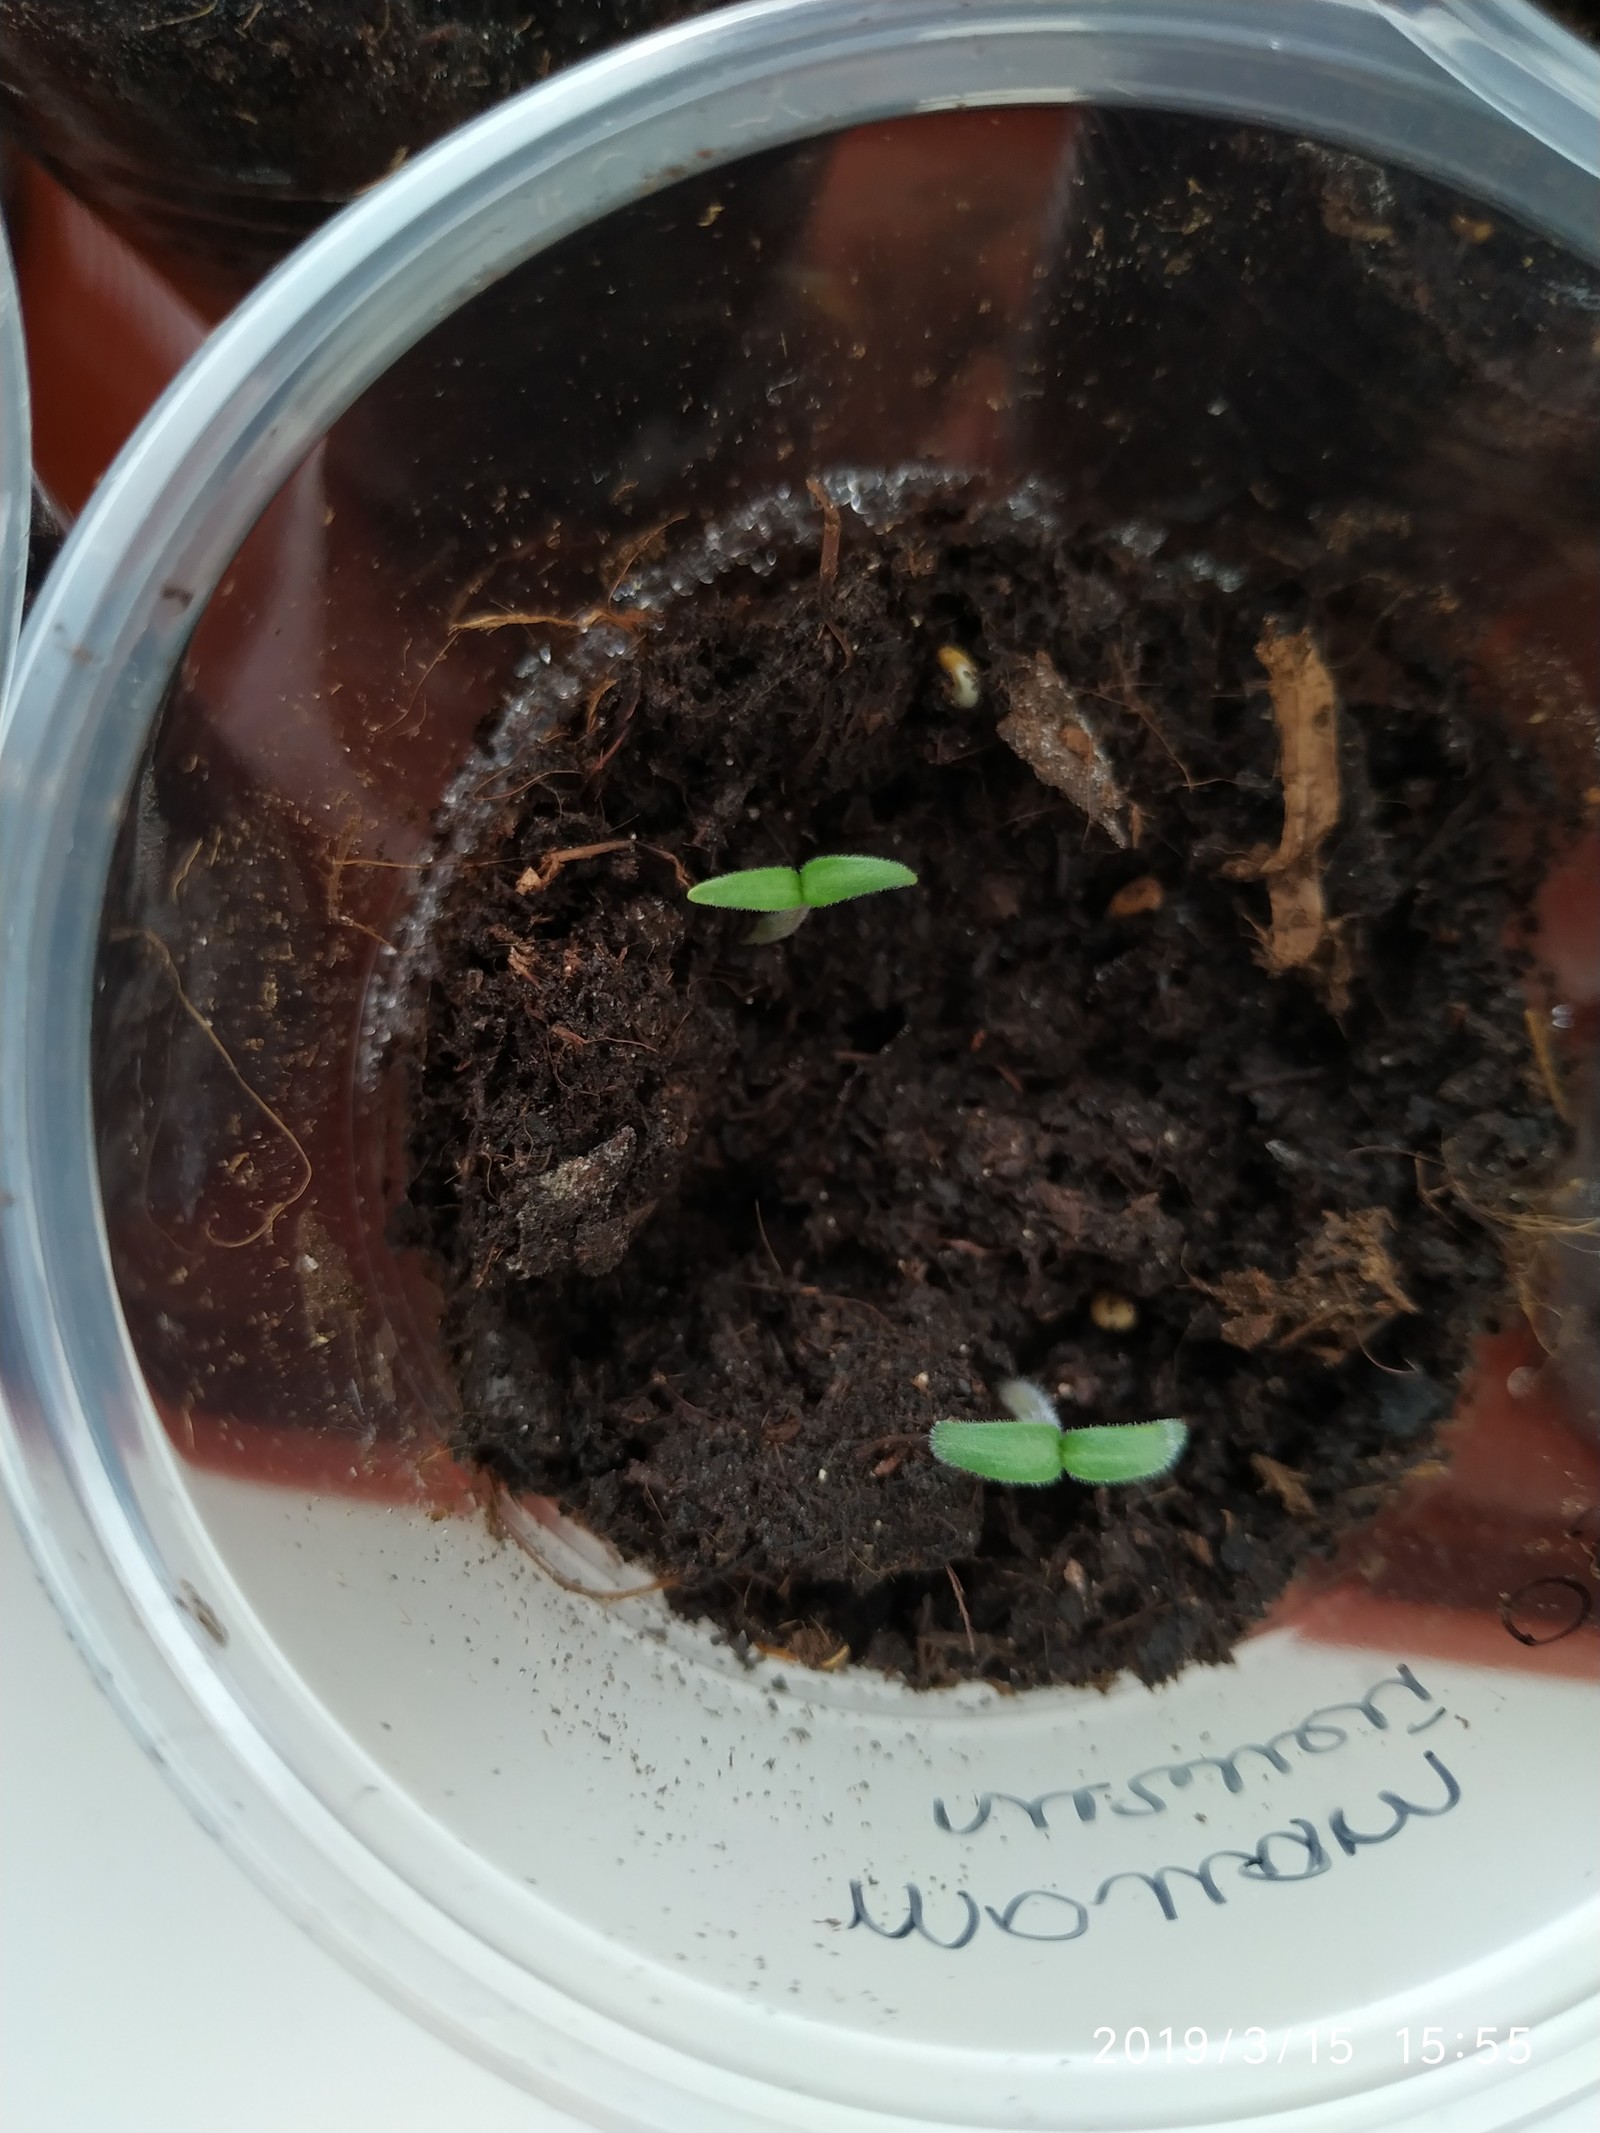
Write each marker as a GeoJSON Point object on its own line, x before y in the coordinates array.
{"type": "Point", "coordinates": [305, 97]}
{"type": "Point", "coordinates": [1580, 16]}
{"type": "Point", "coordinates": [241, 125]}
{"type": "Point", "coordinates": [1190, 1080]}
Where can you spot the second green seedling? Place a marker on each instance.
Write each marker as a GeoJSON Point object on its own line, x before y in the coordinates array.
{"type": "Point", "coordinates": [1034, 1450]}
{"type": "Point", "coordinates": [786, 896]}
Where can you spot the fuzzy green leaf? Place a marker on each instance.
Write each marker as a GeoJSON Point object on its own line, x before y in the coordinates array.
{"type": "Point", "coordinates": [1026, 1453]}
{"type": "Point", "coordinates": [838, 876]}
{"type": "Point", "coordinates": [754, 889]}
{"type": "Point", "coordinates": [1125, 1451]}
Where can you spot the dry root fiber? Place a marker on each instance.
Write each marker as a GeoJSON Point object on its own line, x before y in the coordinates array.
{"type": "Point", "coordinates": [1305, 704]}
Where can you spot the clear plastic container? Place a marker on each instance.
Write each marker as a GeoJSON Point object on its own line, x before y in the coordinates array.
{"type": "Point", "coordinates": [16, 483]}
{"type": "Point", "coordinates": [660, 1882]}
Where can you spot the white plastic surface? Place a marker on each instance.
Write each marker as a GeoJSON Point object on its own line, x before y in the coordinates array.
{"type": "Point", "coordinates": [715, 1853]}
{"type": "Point", "coordinates": [147, 1985]}
{"type": "Point", "coordinates": [116, 1909]}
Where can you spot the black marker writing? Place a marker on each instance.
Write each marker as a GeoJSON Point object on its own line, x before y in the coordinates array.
{"type": "Point", "coordinates": [1052, 1915]}
{"type": "Point", "coordinates": [913, 1921]}
{"type": "Point", "coordinates": [1316, 1734]}
{"type": "Point", "coordinates": [1006, 1920]}
{"type": "Point", "coordinates": [1304, 1834]}
{"type": "Point", "coordinates": [1351, 1840]}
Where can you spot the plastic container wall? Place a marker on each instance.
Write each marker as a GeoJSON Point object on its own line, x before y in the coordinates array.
{"type": "Point", "coordinates": [640, 310]}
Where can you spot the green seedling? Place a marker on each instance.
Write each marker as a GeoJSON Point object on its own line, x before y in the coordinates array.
{"type": "Point", "coordinates": [1033, 1450]}
{"type": "Point", "coordinates": [786, 896]}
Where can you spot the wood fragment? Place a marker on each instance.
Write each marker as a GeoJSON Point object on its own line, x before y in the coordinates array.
{"type": "Point", "coordinates": [1305, 705]}
{"type": "Point", "coordinates": [679, 869]}
{"type": "Point", "coordinates": [1049, 729]}
{"type": "Point", "coordinates": [961, 1604]}
{"type": "Point", "coordinates": [533, 618]}
{"type": "Point", "coordinates": [1286, 1484]}
{"type": "Point", "coordinates": [828, 572]}
{"type": "Point", "coordinates": [533, 879]}
{"type": "Point", "coordinates": [1136, 898]}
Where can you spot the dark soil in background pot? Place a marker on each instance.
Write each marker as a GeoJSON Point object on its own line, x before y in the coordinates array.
{"type": "Point", "coordinates": [242, 125]}
{"type": "Point", "coordinates": [1192, 1079]}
